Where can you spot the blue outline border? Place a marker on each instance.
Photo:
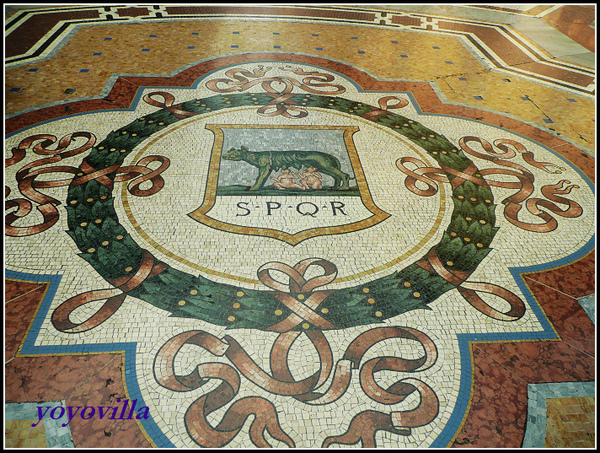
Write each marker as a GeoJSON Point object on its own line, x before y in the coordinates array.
{"type": "Point", "coordinates": [464, 340]}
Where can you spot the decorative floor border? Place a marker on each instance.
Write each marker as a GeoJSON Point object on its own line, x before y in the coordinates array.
{"type": "Point", "coordinates": [124, 91]}
{"type": "Point", "coordinates": [28, 348]}
{"type": "Point", "coordinates": [499, 45]}
{"type": "Point", "coordinates": [448, 435]}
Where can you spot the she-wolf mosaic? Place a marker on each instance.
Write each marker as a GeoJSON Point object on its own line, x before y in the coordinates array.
{"type": "Point", "coordinates": [274, 211]}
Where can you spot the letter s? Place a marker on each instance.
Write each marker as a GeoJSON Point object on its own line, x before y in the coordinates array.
{"type": "Point", "coordinates": [241, 207]}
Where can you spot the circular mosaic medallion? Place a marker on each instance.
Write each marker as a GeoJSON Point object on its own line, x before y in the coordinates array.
{"type": "Point", "coordinates": [110, 249]}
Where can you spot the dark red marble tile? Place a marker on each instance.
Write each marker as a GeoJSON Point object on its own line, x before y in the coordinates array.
{"type": "Point", "coordinates": [498, 412]}
{"type": "Point", "coordinates": [14, 289]}
{"type": "Point", "coordinates": [503, 370]}
{"type": "Point", "coordinates": [122, 92]}
{"type": "Point", "coordinates": [579, 158]}
{"type": "Point", "coordinates": [132, 12]}
{"type": "Point", "coordinates": [570, 359]}
{"type": "Point", "coordinates": [53, 378]}
{"type": "Point", "coordinates": [568, 317]}
{"type": "Point", "coordinates": [542, 69]}
{"type": "Point", "coordinates": [494, 40]}
{"type": "Point", "coordinates": [576, 280]}
{"type": "Point", "coordinates": [406, 20]}
{"type": "Point", "coordinates": [49, 378]}
{"type": "Point", "coordinates": [543, 361]}
{"type": "Point", "coordinates": [22, 301]}
{"type": "Point", "coordinates": [274, 10]}
{"type": "Point", "coordinates": [103, 389]}
{"type": "Point", "coordinates": [58, 111]}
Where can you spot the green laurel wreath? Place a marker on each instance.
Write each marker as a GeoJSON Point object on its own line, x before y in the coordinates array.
{"type": "Point", "coordinates": [107, 246]}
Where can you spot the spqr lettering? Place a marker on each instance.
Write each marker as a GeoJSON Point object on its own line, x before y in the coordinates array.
{"type": "Point", "coordinates": [305, 208]}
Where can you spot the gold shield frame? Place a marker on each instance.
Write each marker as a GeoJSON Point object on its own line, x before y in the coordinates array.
{"type": "Point", "coordinates": [210, 197]}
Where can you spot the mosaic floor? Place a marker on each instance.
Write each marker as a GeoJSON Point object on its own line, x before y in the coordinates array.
{"type": "Point", "coordinates": [300, 226]}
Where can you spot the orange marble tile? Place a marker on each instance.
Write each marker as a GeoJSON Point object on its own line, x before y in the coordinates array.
{"type": "Point", "coordinates": [568, 425]}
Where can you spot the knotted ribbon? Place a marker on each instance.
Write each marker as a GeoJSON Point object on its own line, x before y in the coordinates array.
{"type": "Point", "coordinates": [524, 182]}
{"type": "Point", "coordinates": [281, 382]}
{"type": "Point", "coordinates": [302, 310]}
{"type": "Point", "coordinates": [281, 104]}
{"type": "Point", "coordinates": [167, 103]}
{"type": "Point", "coordinates": [28, 184]}
{"type": "Point", "coordinates": [114, 297]}
{"type": "Point", "coordinates": [469, 290]}
{"type": "Point", "coordinates": [26, 179]}
{"type": "Point", "coordinates": [384, 107]}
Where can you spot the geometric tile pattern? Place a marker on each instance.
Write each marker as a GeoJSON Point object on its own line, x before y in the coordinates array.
{"type": "Point", "coordinates": [553, 405]}
{"type": "Point", "coordinates": [20, 434]}
{"type": "Point", "coordinates": [571, 423]}
{"type": "Point", "coordinates": [49, 433]}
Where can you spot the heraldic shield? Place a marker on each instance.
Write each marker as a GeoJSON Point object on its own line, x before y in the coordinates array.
{"type": "Point", "coordinates": [301, 181]}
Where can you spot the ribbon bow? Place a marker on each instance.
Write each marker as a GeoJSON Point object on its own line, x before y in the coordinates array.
{"type": "Point", "coordinates": [293, 296]}
{"type": "Point", "coordinates": [384, 106]}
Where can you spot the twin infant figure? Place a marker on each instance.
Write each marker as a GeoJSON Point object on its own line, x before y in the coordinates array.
{"type": "Point", "coordinates": [310, 179]}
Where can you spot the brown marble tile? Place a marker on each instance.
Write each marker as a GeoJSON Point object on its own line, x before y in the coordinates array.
{"type": "Point", "coordinates": [122, 92]}
{"type": "Point", "coordinates": [36, 26]}
{"type": "Point", "coordinates": [554, 72]}
{"type": "Point", "coordinates": [580, 159]}
{"type": "Point", "coordinates": [59, 111]}
{"type": "Point", "coordinates": [576, 280]}
{"type": "Point", "coordinates": [103, 389]}
{"type": "Point", "coordinates": [502, 371]}
{"type": "Point", "coordinates": [543, 361]}
{"type": "Point", "coordinates": [573, 21]}
{"type": "Point", "coordinates": [280, 11]}
{"type": "Point", "coordinates": [14, 289]}
{"type": "Point", "coordinates": [22, 301]}
{"type": "Point", "coordinates": [406, 20]}
{"type": "Point", "coordinates": [568, 317]}
{"type": "Point", "coordinates": [498, 412]}
{"type": "Point", "coordinates": [571, 359]}
{"type": "Point", "coordinates": [494, 40]}
{"type": "Point", "coordinates": [49, 378]}
{"type": "Point", "coordinates": [132, 11]}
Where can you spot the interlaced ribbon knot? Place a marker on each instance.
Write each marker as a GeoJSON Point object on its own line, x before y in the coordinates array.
{"type": "Point", "coordinates": [114, 297]}
{"type": "Point", "coordinates": [384, 106]}
{"type": "Point", "coordinates": [469, 290]}
{"type": "Point", "coordinates": [166, 104]}
{"type": "Point", "coordinates": [303, 306]}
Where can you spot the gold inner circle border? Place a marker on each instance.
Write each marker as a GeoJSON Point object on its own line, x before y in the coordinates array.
{"type": "Point", "coordinates": [207, 270]}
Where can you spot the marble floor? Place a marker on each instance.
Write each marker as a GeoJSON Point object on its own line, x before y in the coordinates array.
{"type": "Point", "coordinates": [203, 247]}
